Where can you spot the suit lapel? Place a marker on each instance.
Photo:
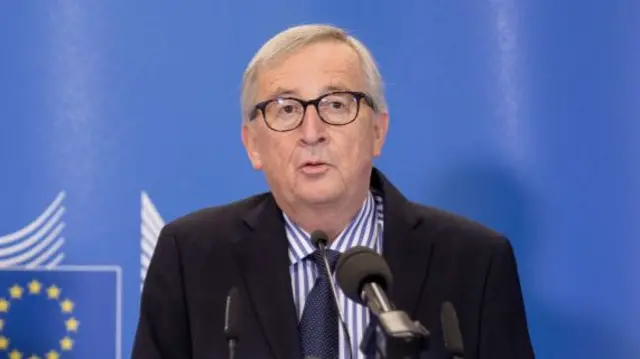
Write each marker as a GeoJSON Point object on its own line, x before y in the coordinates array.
{"type": "Point", "coordinates": [264, 263]}
{"type": "Point", "coordinates": [405, 247]}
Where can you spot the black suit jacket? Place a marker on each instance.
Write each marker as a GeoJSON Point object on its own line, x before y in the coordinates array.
{"type": "Point", "coordinates": [434, 256]}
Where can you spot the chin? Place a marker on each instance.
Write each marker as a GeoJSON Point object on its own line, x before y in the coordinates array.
{"type": "Point", "coordinates": [320, 195]}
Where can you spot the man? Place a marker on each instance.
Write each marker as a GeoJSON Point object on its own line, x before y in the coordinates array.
{"type": "Point", "coordinates": [314, 119]}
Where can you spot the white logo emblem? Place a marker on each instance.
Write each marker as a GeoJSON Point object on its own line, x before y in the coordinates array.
{"type": "Point", "coordinates": [38, 244]}
{"type": "Point", "coordinates": [150, 229]}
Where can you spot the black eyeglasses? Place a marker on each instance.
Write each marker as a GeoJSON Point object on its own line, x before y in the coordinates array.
{"type": "Point", "coordinates": [284, 114]}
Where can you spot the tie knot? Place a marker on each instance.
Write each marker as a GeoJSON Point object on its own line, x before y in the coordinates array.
{"type": "Point", "coordinates": [332, 258]}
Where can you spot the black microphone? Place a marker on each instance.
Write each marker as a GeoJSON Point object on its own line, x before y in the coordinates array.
{"type": "Point", "coordinates": [320, 240]}
{"type": "Point", "coordinates": [451, 331]}
{"type": "Point", "coordinates": [232, 320]}
{"type": "Point", "coordinates": [365, 277]}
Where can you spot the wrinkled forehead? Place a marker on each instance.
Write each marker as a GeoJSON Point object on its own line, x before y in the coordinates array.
{"type": "Point", "coordinates": [312, 70]}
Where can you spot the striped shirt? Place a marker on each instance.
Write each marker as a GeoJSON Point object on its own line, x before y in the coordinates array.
{"type": "Point", "coordinates": [364, 230]}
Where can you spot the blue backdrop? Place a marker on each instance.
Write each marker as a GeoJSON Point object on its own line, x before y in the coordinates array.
{"type": "Point", "coordinates": [118, 116]}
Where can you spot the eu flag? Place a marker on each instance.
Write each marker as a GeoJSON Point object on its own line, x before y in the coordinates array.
{"type": "Point", "coordinates": [66, 312]}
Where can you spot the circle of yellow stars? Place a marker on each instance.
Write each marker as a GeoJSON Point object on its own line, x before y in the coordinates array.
{"type": "Point", "coordinates": [34, 287]}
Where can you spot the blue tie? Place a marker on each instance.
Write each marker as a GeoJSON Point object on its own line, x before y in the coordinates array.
{"type": "Point", "coordinates": [319, 323]}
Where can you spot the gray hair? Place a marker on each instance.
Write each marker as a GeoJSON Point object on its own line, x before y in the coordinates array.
{"type": "Point", "coordinates": [296, 37]}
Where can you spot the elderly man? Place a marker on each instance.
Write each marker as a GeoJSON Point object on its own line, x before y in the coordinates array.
{"type": "Point", "coordinates": [314, 118]}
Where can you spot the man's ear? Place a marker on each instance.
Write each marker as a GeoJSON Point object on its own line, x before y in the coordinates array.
{"type": "Point", "coordinates": [380, 128]}
{"type": "Point", "coordinates": [250, 141]}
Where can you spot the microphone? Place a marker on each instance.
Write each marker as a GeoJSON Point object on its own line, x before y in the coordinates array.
{"type": "Point", "coordinates": [451, 331]}
{"type": "Point", "coordinates": [320, 240]}
{"type": "Point", "coordinates": [365, 277]}
{"type": "Point", "coordinates": [232, 320]}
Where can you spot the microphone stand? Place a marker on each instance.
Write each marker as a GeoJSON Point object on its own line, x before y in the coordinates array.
{"type": "Point", "coordinates": [322, 246]}
{"type": "Point", "coordinates": [404, 338]}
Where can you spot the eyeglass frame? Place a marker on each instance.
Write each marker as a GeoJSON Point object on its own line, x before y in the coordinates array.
{"type": "Point", "coordinates": [358, 95]}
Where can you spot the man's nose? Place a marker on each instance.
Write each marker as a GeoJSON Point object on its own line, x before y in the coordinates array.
{"type": "Point", "coordinates": [313, 129]}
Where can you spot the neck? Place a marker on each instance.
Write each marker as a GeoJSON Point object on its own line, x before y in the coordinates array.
{"type": "Point", "coordinates": [332, 218]}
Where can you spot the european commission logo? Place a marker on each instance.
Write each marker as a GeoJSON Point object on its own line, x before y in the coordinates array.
{"type": "Point", "coordinates": [151, 225]}
{"type": "Point", "coordinates": [49, 310]}
{"type": "Point", "coordinates": [39, 243]}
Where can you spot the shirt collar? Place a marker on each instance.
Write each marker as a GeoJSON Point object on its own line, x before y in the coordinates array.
{"type": "Point", "coordinates": [361, 231]}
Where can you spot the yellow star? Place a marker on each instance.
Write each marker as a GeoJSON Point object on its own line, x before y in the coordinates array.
{"type": "Point", "coordinates": [53, 292]}
{"type": "Point", "coordinates": [4, 342]}
{"type": "Point", "coordinates": [66, 343]}
{"type": "Point", "coordinates": [34, 287]}
{"type": "Point", "coordinates": [67, 306]}
{"type": "Point", "coordinates": [53, 355]}
{"type": "Point", "coordinates": [72, 324]}
{"type": "Point", "coordinates": [4, 305]}
{"type": "Point", "coordinates": [1, 324]}
{"type": "Point", "coordinates": [15, 354]}
{"type": "Point", "coordinates": [16, 291]}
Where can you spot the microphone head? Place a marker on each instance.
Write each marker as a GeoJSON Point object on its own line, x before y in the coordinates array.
{"type": "Point", "coordinates": [451, 330]}
{"type": "Point", "coordinates": [232, 314]}
{"type": "Point", "coordinates": [319, 238]}
{"type": "Point", "coordinates": [358, 266]}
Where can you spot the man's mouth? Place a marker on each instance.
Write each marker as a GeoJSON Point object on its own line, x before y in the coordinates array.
{"type": "Point", "coordinates": [314, 164]}
{"type": "Point", "coordinates": [314, 167]}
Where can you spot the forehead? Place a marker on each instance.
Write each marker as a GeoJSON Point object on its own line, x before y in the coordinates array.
{"type": "Point", "coordinates": [312, 70]}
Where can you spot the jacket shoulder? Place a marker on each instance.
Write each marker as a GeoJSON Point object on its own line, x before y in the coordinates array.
{"type": "Point", "coordinates": [212, 221]}
{"type": "Point", "coordinates": [459, 230]}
